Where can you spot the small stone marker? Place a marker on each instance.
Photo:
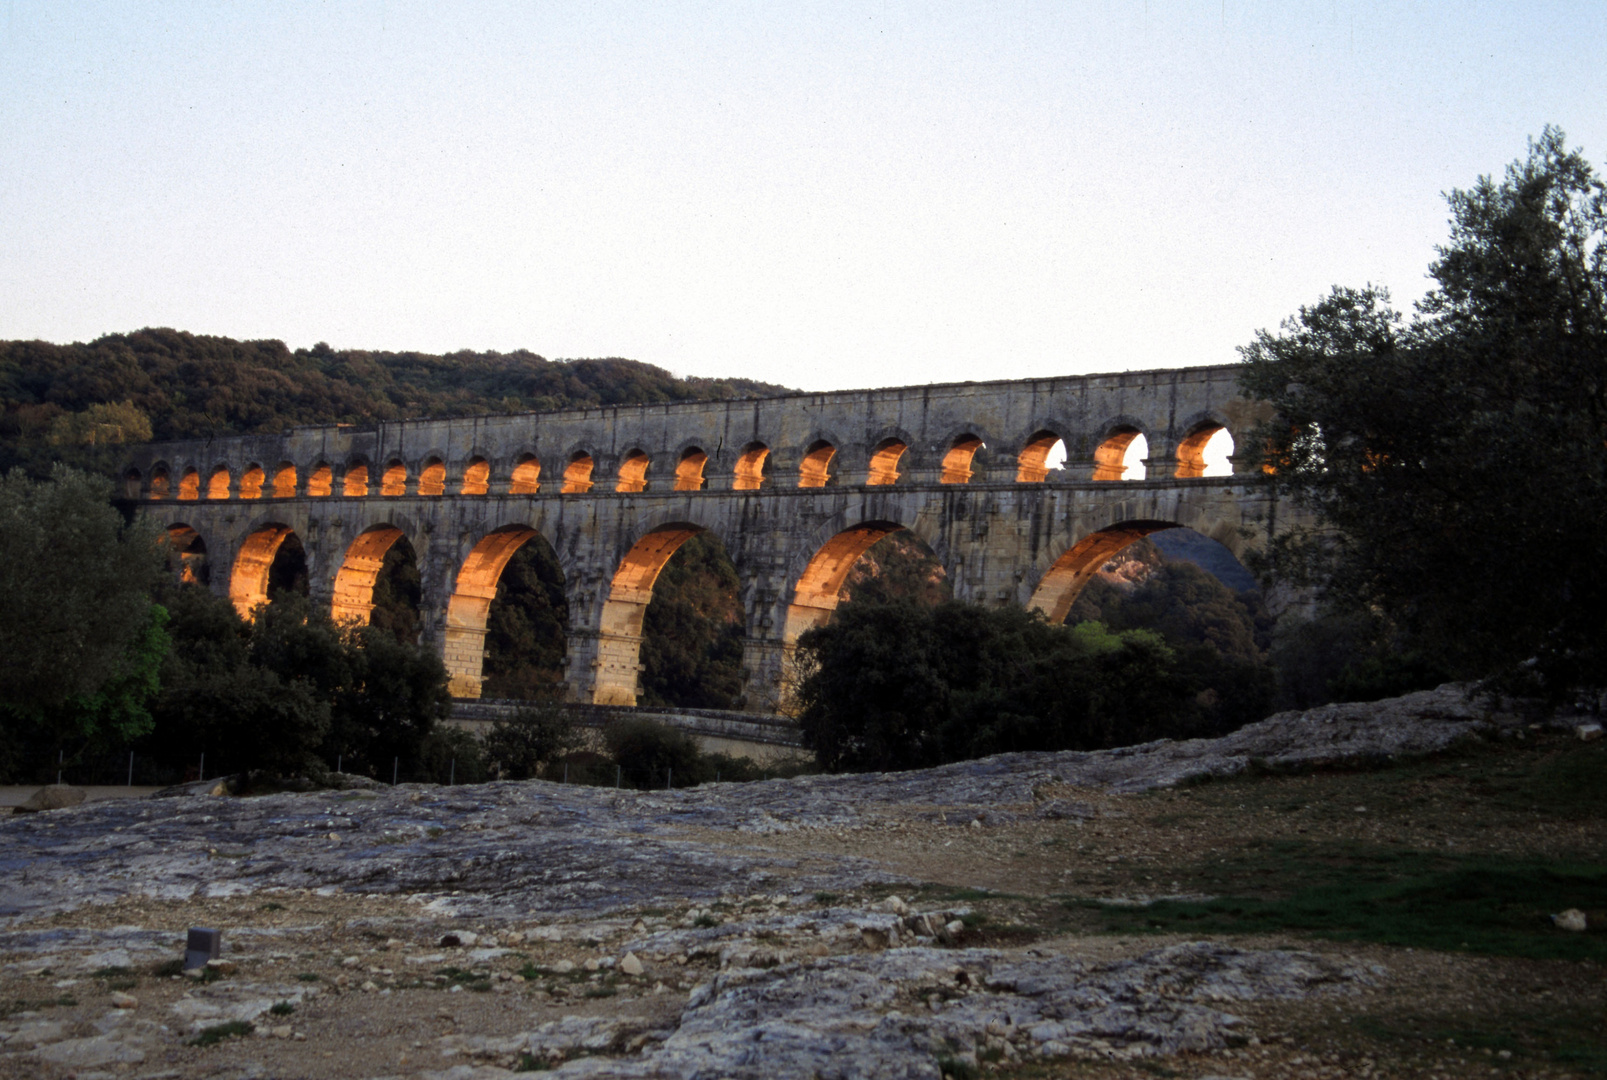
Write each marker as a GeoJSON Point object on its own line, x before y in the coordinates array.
{"type": "Point", "coordinates": [201, 946]}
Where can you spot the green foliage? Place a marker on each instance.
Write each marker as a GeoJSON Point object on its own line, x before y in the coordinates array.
{"type": "Point", "coordinates": [1219, 636]}
{"type": "Point", "coordinates": [896, 686]}
{"type": "Point", "coordinates": [1495, 907]}
{"type": "Point", "coordinates": [692, 632]}
{"type": "Point", "coordinates": [211, 1036]}
{"type": "Point", "coordinates": [82, 640]}
{"type": "Point", "coordinates": [654, 755]}
{"type": "Point", "coordinates": [520, 746]}
{"type": "Point", "coordinates": [450, 755]}
{"type": "Point", "coordinates": [290, 690]}
{"type": "Point", "coordinates": [398, 591]}
{"type": "Point", "coordinates": [524, 641]}
{"type": "Point", "coordinates": [898, 567]}
{"type": "Point", "coordinates": [1459, 458]}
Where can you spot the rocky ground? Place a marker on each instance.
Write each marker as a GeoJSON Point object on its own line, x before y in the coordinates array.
{"type": "Point", "coordinates": [932, 923]}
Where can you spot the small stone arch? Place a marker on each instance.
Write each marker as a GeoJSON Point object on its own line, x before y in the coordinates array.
{"type": "Point", "coordinates": [284, 481]}
{"type": "Point", "coordinates": [749, 474]}
{"type": "Point", "coordinates": [132, 482]}
{"type": "Point", "coordinates": [321, 481]}
{"type": "Point", "coordinates": [689, 470]}
{"type": "Point", "coordinates": [957, 459]}
{"type": "Point", "coordinates": [578, 473]}
{"type": "Point", "coordinates": [432, 476]}
{"type": "Point", "coordinates": [884, 459]}
{"type": "Point", "coordinates": [526, 476]}
{"type": "Point", "coordinates": [393, 481]}
{"type": "Point", "coordinates": [1110, 456]}
{"type": "Point", "coordinates": [190, 485]}
{"type": "Point", "coordinates": [1032, 463]}
{"type": "Point", "coordinates": [476, 477]}
{"type": "Point", "coordinates": [633, 471]}
{"type": "Point", "coordinates": [815, 470]}
{"type": "Point", "coordinates": [251, 481]}
{"type": "Point", "coordinates": [1201, 430]}
{"type": "Point", "coordinates": [354, 484]}
{"type": "Point", "coordinates": [1060, 585]}
{"type": "Point", "coordinates": [217, 485]}
{"type": "Point", "coordinates": [161, 486]}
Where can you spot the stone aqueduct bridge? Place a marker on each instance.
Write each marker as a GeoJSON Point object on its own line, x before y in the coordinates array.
{"type": "Point", "coordinates": [796, 488]}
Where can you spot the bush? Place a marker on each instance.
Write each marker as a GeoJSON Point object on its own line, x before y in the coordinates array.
{"type": "Point", "coordinates": [520, 746]}
{"type": "Point", "coordinates": [451, 755]}
{"type": "Point", "coordinates": [654, 755]}
{"type": "Point", "coordinates": [898, 686]}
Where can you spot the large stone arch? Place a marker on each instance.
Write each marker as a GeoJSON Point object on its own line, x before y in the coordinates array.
{"type": "Point", "coordinates": [1063, 580]}
{"type": "Point", "coordinates": [616, 660]}
{"type": "Point", "coordinates": [474, 586]}
{"type": "Point", "coordinates": [352, 600]}
{"type": "Point", "coordinates": [248, 578]}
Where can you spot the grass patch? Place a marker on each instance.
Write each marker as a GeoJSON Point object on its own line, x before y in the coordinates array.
{"type": "Point", "coordinates": [168, 968]}
{"type": "Point", "coordinates": [705, 922]}
{"type": "Point", "coordinates": [825, 898]}
{"type": "Point", "coordinates": [271, 906]}
{"type": "Point", "coordinates": [1558, 1036]}
{"type": "Point", "coordinates": [478, 981]}
{"type": "Point", "coordinates": [1343, 892]}
{"type": "Point", "coordinates": [529, 1062]}
{"type": "Point", "coordinates": [218, 1032]}
{"type": "Point", "coordinates": [10, 1008]}
{"type": "Point", "coordinates": [112, 973]}
{"type": "Point", "coordinates": [307, 976]}
{"type": "Point", "coordinates": [282, 1008]}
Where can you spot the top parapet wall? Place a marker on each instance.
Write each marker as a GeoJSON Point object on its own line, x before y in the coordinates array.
{"type": "Point", "coordinates": [993, 431]}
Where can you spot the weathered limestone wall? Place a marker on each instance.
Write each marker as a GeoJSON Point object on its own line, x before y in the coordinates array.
{"type": "Point", "coordinates": [960, 465]}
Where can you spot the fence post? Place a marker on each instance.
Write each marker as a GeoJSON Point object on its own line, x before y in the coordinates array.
{"type": "Point", "coordinates": [566, 772]}
{"type": "Point", "coordinates": [131, 768]}
{"type": "Point", "coordinates": [669, 777]}
{"type": "Point", "coordinates": [59, 754]}
{"type": "Point", "coordinates": [395, 764]}
{"type": "Point", "coordinates": [203, 764]}
{"type": "Point", "coordinates": [617, 772]}
{"type": "Point", "coordinates": [452, 774]}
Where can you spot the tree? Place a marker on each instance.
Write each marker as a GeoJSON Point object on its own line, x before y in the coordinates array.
{"type": "Point", "coordinates": [81, 638]}
{"type": "Point", "coordinates": [903, 685]}
{"type": "Point", "coordinates": [1458, 459]}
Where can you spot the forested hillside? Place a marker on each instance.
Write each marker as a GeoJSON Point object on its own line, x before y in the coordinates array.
{"type": "Point", "coordinates": [68, 402]}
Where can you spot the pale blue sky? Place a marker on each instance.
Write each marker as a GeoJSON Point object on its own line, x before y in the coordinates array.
{"type": "Point", "coordinates": [813, 194]}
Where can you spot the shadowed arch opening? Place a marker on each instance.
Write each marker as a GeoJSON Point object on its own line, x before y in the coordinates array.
{"type": "Point", "coordinates": [476, 477]}
{"type": "Point", "coordinates": [633, 472]}
{"type": "Point", "coordinates": [321, 481]}
{"type": "Point", "coordinates": [689, 471]}
{"type": "Point", "coordinates": [577, 475]}
{"type": "Point", "coordinates": [527, 626]}
{"type": "Point", "coordinates": [957, 462]}
{"type": "Point", "coordinates": [284, 481]}
{"type": "Point", "coordinates": [432, 477]}
{"type": "Point", "coordinates": [1061, 583]}
{"type": "Point", "coordinates": [186, 555]}
{"type": "Point", "coordinates": [393, 481]}
{"type": "Point", "coordinates": [1044, 452]}
{"type": "Point", "coordinates": [217, 485]}
{"type": "Point", "coordinates": [131, 484]}
{"type": "Point", "coordinates": [355, 483]}
{"type": "Point", "coordinates": [353, 602]}
{"type": "Point", "coordinates": [159, 483]}
{"type": "Point", "coordinates": [189, 486]}
{"type": "Point", "coordinates": [751, 467]}
{"type": "Point", "coordinates": [271, 560]}
{"type": "Point", "coordinates": [526, 478]}
{"type": "Point", "coordinates": [1121, 455]}
{"type": "Point", "coordinates": [618, 663]}
{"type": "Point", "coordinates": [884, 462]}
{"type": "Point", "coordinates": [1205, 452]}
{"type": "Point", "coordinates": [469, 606]}
{"type": "Point", "coordinates": [251, 482]}
{"type": "Point", "coordinates": [815, 471]}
